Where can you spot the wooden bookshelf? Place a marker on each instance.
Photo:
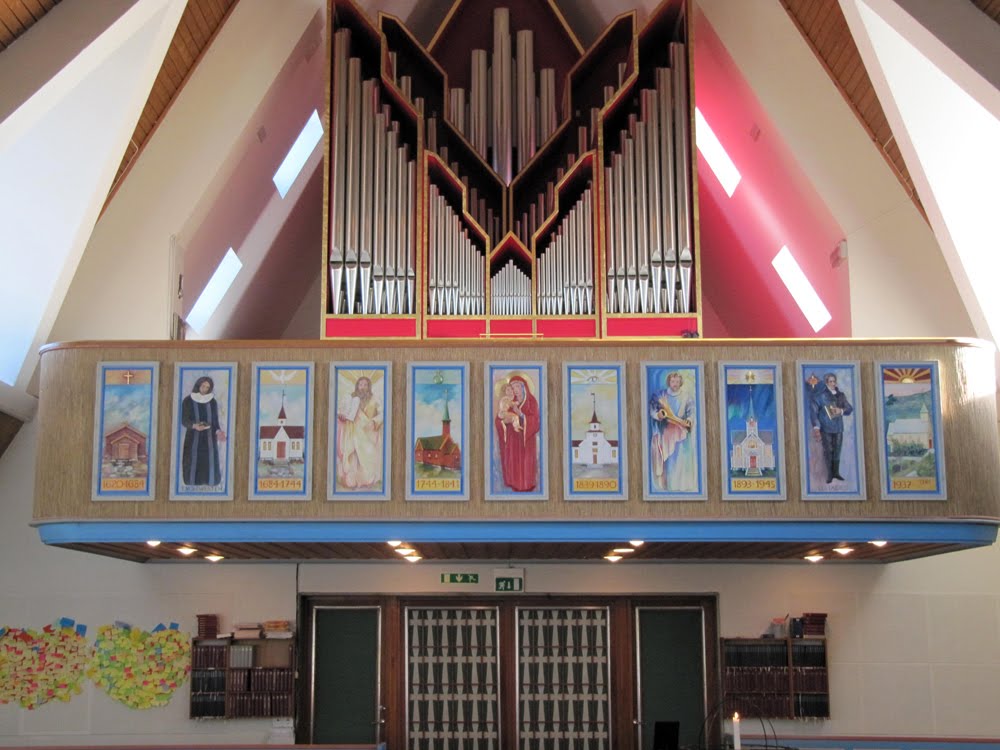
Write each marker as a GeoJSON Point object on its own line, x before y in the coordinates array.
{"type": "Point", "coordinates": [776, 678]}
{"type": "Point", "coordinates": [242, 678]}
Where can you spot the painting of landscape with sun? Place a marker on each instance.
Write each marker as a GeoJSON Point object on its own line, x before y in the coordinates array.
{"type": "Point", "coordinates": [594, 459]}
{"type": "Point", "coordinates": [909, 416]}
{"type": "Point", "coordinates": [360, 431]}
{"type": "Point", "coordinates": [437, 431]}
{"type": "Point", "coordinates": [753, 452]}
{"type": "Point", "coordinates": [281, 442]}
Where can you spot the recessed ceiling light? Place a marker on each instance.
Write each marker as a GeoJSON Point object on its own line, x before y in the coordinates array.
{"type": "Point", "coordinates": [186, 550]}
{"type": "Point", "coordinates": [214, 558]}
{"type": "Point", "coordinates": [814, 558]}
{"type": "Point", "coordinates": [394, 543]}
{"type": "Point", "coordinates": [879, 542]}
{"type": "Point", "coordinates": [153, 542]}
{"type": "Point", "coordinates": [624, 550]}
{"type": "Point", "coordinates": [612, 558]}
{"type": "Point", "coordinates": [413, 558]}
{"type": "Point", "coordinates": [843, 550]}
{"type": "Point", "coordinates": [404, 551]}
{"type": "Point", "coordinates": [637, 542]}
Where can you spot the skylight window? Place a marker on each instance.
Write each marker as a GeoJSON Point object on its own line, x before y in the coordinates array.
{"type": "Point", "coordinates": [214, 291]}
{"type": "Point", "coordinates": [802, 291]}
{"type": "Point", "coordinates": [711, 148]}
{"type": "Point", "coordinates": [298, 154]}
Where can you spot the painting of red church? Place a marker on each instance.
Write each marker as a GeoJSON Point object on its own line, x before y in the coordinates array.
{"type": "Point", "coordinates": [437, 429]}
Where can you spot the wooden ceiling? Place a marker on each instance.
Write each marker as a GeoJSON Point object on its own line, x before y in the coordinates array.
{"type": "Point", "coordinates": [825, 29]}
{"type": "Point", "coordinates": [17, 16]}
{"type": "Point", "coordinates": [198, 26]}
{"type": "Point", "coordinates": [543, 552]}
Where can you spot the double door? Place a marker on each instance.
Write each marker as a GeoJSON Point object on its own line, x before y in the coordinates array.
{"type": "Point", "coordinates": [527, 673]}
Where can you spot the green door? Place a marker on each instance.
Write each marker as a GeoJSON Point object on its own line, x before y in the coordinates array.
{"type": "Point", "coordinates": [670, 677]}
{"type": "Point", "coordinates": [346, 706]}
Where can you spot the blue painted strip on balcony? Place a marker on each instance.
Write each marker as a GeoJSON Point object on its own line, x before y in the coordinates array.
{"type": "Point", "coordinates": [971, 533]}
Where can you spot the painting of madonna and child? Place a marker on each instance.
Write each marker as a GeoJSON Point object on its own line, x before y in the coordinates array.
{"type": "Point", "coordinates": [674, 431]}
{"type": "Point", "coordinates": [201, 458]}
{"type": "Point", "coordinates": [832, 459]}
{"type": "Point", "coordinates": [516, 439]}
{"type": "Point", "coordinates": [437, 431]}
{"type": "Point", "coordinates": [360, 429]}
{"type": "Point", "coordinates": [595, 464]}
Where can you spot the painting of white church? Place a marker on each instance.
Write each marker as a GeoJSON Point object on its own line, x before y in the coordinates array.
{"type": "Point", "coordinates": [912, 454]}
{"type": "Point", "coordinates": [594, 463]}
{"type": "Point", "coordinates": [281, 468]}
{"type": "Point", "coordinates": [751, 415]}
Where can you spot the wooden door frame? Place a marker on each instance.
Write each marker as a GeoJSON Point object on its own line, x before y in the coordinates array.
{"type": "Point", "coordinates": [622, 654]}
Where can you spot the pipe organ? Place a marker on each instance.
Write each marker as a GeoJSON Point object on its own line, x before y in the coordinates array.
{"type": "Point", "coordinates": [502, 181]}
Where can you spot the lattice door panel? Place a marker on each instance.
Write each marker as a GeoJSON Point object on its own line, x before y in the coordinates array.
{"type": "Point", "coordinates": [453, 679]}
{"type": "Point", "coordinates": [563, 679]}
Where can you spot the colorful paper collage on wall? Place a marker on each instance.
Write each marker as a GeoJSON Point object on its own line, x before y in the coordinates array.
{"type": "Point", "coordinates": [753, 449]}
{"type": "Point", "coordinates": [516, 431]}
{"type": "Point", "coordinates": [201, 459]}
{"type": "Point", "coordinates": [281, 464]}
{"type": "Point", "coordinates": [831, 438]}
{"type": "Point", "coordinates": [360, 431]}
{"type": "Point", "coordinates": [41, 666]}
{"type": "Point", "coordinates": [594, 454]}
{"type": "Point", "coordinates": [673, 466]}
{"type": "Point", "coordinates": [437, 431]}
{"type": "Point", "coordinates": [911, 456]}
{"type": "Point", "coordinates": [125, 431]}
{"type": "Point", "coordinates": [138, 668]}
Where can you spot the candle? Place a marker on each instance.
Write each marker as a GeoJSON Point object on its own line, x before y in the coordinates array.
{"type": "Point", "coordinates": [736, 731]}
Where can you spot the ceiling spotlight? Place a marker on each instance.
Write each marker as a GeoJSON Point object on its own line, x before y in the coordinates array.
{"type": "Point", "coordinates": [612, 558]}
{"type": "Point", "coordinates": [843, 550]}
{"type": "Point", "coordinates": [153, 542]}
{"type": "Point", "coordinates": [814, 558]}
{"type": "Point", "coordinates": [624, 550]}
{"type": "Point", "coordinates": [413, 558]}
{"type": "Point", "coordinates": [636, 542]}
{"type": "Point", "coordinates": [879, 542]}
{"type": "Point", "coordinates": [404, 551]}
{"type": "Point", "coordinates": [186, 550]}
{"type": "Point", "coordinates": [394, 543]}
{"type": "Point", "coordinates": [214, 558]}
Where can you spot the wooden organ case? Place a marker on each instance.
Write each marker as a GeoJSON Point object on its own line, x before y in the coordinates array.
{"type": "Point", "coordinates": [505, 182]}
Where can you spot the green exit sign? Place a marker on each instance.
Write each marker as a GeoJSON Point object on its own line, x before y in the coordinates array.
{"type": "Point", "coordinates": [460, 578]}
{"type": "Point", "coordinates": [506, 580]}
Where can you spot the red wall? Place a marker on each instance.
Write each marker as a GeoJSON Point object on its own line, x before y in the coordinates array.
{"type": "Point", "coordinates": [774, 205]}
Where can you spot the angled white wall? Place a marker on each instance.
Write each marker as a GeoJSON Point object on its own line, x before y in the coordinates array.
{"type": "Point", "coordinates": [60, 142]}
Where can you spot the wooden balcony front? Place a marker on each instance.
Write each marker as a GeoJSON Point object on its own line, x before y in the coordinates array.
{"type": "Point", "coordinates": [716, 527]}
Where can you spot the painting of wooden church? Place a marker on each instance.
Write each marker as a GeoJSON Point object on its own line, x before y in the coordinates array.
{"type": "Point", "coordinates": [439, 450]}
